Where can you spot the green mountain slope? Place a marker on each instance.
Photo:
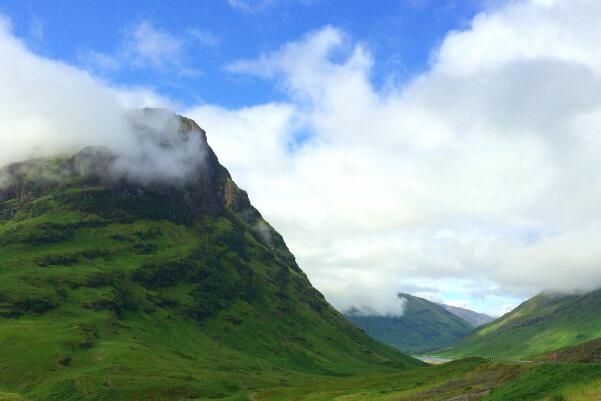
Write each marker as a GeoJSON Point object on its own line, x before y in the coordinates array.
{"type": "Point", "coordinates": [114, 290]}
{"type": "Point", "coordinates": [424, 326]}
{"type": "Point", "coordinates": [544, 323]}
{"type": "Point", "coordinates": [588, 351]}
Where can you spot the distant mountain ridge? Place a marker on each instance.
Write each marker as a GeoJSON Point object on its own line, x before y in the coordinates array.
{"type": "Point", "coordinates": [424, 326]}
{"type": "Point", "coordinates": [542, 324]}
{"type": "Point", "coordinates": [476, 319]}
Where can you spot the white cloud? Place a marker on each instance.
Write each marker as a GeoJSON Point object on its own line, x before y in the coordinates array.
{"type": "Point", "coordinates": [101, 61]}
{"type": "Point", "coordinates": [251, 6]}
{"type": "Point", "coordinates": [48, 108]}
{"type": "Point", "coordinates": [36, 29]}
{"type": "Point", "coordinates": [146, 46]}
{"type": "Point", "coordinates": [484, 168]}
{"type": "Point", "coordinates": [204, 37]}
{"type": "Point", "coordinates": [255, 7]}
{"type": "Point", "coordinates": [32, 103]}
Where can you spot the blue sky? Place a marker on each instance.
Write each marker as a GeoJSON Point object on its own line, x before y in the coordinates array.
{"type": "Point", "coordinates": [444, 148]}
{"type": "Point", "coordinates": [400, 33]}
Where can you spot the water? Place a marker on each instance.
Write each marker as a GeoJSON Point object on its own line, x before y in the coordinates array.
{"type": "Point", "coordinates": [432, 359]}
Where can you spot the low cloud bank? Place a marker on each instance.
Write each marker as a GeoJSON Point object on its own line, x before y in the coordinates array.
{"type": "Point", "coordinates": [382, 309]}
{"type": "Point", "coordinates": [48, 109]}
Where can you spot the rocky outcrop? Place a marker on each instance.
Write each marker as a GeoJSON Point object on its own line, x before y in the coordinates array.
{"type": "Point", "coordinates": [208, 189]}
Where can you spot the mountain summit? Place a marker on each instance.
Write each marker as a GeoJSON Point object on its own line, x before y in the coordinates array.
{"type": "Point", "coordinates": [122, 278]}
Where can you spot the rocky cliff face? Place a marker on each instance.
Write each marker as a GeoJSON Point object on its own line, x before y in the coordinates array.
{"type": "Point", "coordinates": [207, 189]}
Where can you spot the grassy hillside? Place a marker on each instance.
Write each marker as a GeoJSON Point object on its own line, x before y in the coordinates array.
{"type": "Point", "coordinates": [465, 380]}
{"type": "Point", "coordinates": [112, 290]}
{"type": "Point", "coordinates": [589, 351]}
{"type": "Point", "coordinates": [541, 324]}
{"type": "Point", "coordinates": [424, 326]}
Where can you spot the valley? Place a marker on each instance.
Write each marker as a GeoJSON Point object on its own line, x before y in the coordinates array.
{"type": "Point", "coordinates": [423, 326]}
{"type": "Point", "coordinates": [300, 200]}
{"type": "Point", "coordinates": [115, 290]}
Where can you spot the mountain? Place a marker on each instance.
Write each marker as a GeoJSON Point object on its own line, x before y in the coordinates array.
{"type": "Point", "coordinates": [476, 319]}
{"type": "Point", "coordinates": [120, 288]}
{"type": "Point", "coordinates": [543, 323]}
{"type": "Point", "coordinates": [423, 326]}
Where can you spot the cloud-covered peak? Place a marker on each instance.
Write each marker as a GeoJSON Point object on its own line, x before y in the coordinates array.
{"type": "Point", "coordinates": [50, 109]}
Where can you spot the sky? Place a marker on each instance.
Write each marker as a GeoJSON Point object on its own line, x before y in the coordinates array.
{"type": "Point", "coordinates": [448, 149]}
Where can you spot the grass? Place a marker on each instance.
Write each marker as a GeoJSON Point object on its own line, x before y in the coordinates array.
{"type": "Point", "coordinates": [551, 381]}
{"type": "Point", "coordinates": [109, 294]}
{"type": "Point", "coordinates": [542, 324]}
{"type": "Point", "coordinates": [106, 296]}
{"type": "Point", "coordinates": [492, 381]}
{"type": "Point", "coordinates": [583, 392]}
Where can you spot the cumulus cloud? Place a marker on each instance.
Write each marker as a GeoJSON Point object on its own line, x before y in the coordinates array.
{"type": "Point", "coordinates": [484, 168]}
{"type": "Point", "coordinates": [48, 108]}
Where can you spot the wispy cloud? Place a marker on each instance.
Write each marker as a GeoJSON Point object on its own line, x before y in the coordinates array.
{"type": "Point", "coordinates": [100, 61]}
{"type": "Point", "coordinates": [146, 46]}
{"type": "Point", "coordinates": [204, 37]}
{"type": "Point", "coordinates": [36, 29]}
{"type": "Point", "coordinates": [252, 6]}
{"type": "Point", "coordinates": [261, 6]}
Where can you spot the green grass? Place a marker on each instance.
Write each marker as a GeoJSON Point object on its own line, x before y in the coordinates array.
{"type": "Point", "coordinates": [430, 383]}
{"type": "Point", "coordinates": [549, 381]}
{"type": "Point", "coordinates": [491, 380]}
{"type": "Point", "coordinates": [542, 324]}
{"type": "Point", "coordinates": [583, 391]}
{"type": "Point", "coordinates": [106, 295]}
{"type": "Point", "coordinates": [121, 325]}
{"type": "Point", "coordinates": [589, 351]}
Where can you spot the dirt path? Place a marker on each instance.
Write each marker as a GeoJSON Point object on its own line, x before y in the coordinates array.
{"type": "Point", "coordinates": [470, 397]}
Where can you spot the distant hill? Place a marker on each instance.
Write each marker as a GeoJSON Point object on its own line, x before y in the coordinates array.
{"type": "Point", "coordinates": [476, 319]}
{"type": "Point", "coordinates": [544, 323]}
{"type": "Point", "coordinates": [113, 289]}
{"type": "Point", "coordinates": [424, 326]}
